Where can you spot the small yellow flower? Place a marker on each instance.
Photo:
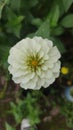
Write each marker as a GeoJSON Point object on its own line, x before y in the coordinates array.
{"type": "Point", "coordinates": [64, 70]}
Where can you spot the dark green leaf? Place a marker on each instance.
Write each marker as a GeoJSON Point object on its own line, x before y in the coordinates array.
{"type": "Point", "coordinates": [37, 22]}
{"type": "Point", "coordinates": [67, 21]}
{"type": "Point", "coordinates": [67, 4]}
{"type": "Point", "coordinates": [14, 22]}
{"type": "Point", "coordinates": [4, 51]}
{"type": "Point", "coordinates": [59, 44]}
{"type": "Point", "coordinates": [57, 31]}
{"type": "Point", "coordinates": [44, 30]}
{"type": "Point", "coordinates": [15, 6]}
{"type": "Point", "coordinates": [29, 4]}
{"type": "Point", "coordinates": [2, 4]}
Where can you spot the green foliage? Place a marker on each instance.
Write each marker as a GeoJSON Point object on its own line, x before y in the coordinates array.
{"type": "Point", "coordinates": [59, 44]}
{"type": "Point", "coordinates": [33, 114]}
{"type": "Point", "coordinates": [15, 4]}
{"type": "Point", "coordinates": [44, 30]}
{"type": "Point", "coordinates": [67, 4]}
{"type": "Point", "coordinates": [17, 112]}
{"type": "Point", "coordinates": [67, 21]}
{"type": "Point", "coordinates": [29, 4]}
{"type": "Point", "coordinates": [54, 15]}
{"type": "Point", "coordinates": [66, 110]}
{"type": "Point", "coordinates": [9, 127]}
{"type": "Point", "coordinates": [2, 4]}
{"type": "Point", "coordinates": [37, 22]}
{"type": "Point", "coordinates": [4, 51]}
{"type": "Point", "coordinates": [26, 108]}
{"type": "Point", "coordinates": [57, 31]}
{"type": "Point", "coordinates": [14, 22]}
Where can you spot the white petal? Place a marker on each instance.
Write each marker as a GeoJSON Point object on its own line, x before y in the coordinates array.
{"type": "Point", "coordinates": [48, 74]}
{"type": "Point", "coordinates": [31, 84]}
{"type": "Point", "coordinates": [41, 54]}
{"type": "Point", "coordinates": [50, 64]}
{"type": "Point", "coordinates": [20, 72]}
{"type": "Point", "coordinates": [46, 57]}
{"type": "Point", "coordinates": [24, 79]}
{"type": "Point", "coordinates": [56, 67]}
{"type": "Point", "coordinates": [16, 56]}
{"type": "Point", "coordinates": [28, 85]}
{"type": "Point", "coordinates": [40, 82]}
{"type": "Point", "coordinates": [23, 45]}
{"type": "Point", "coordinates": [56, 75]}
{"type": "Point", "coordinates": [44, 67]}
{"type": "Point", "coordinates": [49, 82]}
{"type": "Point", "coordinates": [55, 52]}
{"type": "Point", "coordinates": [38, 71]}
{"type": "Point", "coordinates": [42, 42]}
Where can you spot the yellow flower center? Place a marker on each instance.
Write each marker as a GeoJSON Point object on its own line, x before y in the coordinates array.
{"type": "Point", "coordinates": [34, 63]}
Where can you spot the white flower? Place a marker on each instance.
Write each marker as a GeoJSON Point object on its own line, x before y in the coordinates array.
{"type": "Point", "coordinates": [34, 63]}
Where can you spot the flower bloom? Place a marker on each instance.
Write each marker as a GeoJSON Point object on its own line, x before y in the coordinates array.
{"type": "Point", "coordinates": [64, 70]}
{"type": "Point", "coordinates": [34, 63]}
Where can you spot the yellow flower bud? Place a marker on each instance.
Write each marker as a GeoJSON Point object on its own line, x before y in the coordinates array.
{"type": "Point", "coordinates": [64, 70]}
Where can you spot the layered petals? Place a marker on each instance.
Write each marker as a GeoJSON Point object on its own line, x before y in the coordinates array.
{"type": "Point", "coordinates": [34, 63]}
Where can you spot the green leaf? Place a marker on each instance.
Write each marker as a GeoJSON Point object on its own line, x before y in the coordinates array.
{"type": "Point", "coordinates": [10, 14]}
{"type": "Point", "coordinates": [37, 22]}
{"type": "Point", "coordinates": [17, 112]}
{"type": "Point", "coordinates": [59, 44]}
{"type": "Point", "coordinates": [54, 15]}
{"type": "Point", "coordinates": [14, 22]}
{"type": "Point", "coordinates": [67, 4]}
{"type": "Point", "coordinates": [2, 4]}
{"type": "Point", "coordinates": [15, 6]}
{"type": "Point", "coordinates": [67, 21]}
{"type": "Point", "coordinates": [44, 30]}
{"type": "Point", "coordinates": [4, 51]}
{"type": "Point", "coordinates": [27, 4]}
{"type": "Point", "coordinates": [57, 31]}
{"type": "Point", "coordinates": [9, 127]}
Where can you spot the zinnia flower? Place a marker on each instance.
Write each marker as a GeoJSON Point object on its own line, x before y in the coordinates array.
{"type": "Point", "coordinates": [34, 63]}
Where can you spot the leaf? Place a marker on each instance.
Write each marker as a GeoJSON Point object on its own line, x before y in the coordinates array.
{"type": "Point", "coordinates": [29, 4]}
{"type": "Point", "coordinates": [54, 15]}
{"type": "Point", "coordinates": [51, 21]}
{"type": "Point", "coordinates": [4, 51]}
{"type": "Point", "coordinates": [2, 4]}
{"type": "Point", "coordinates": [37, 22]}
{"type": "Point", "coordinates": [15, 6]}
{"type": "Point", "coordinates": [59, 44]}
{"type": "Point", "coordinates": [57, 31]}
{"type": "Point", "coordinates": [9, 127]}
{"type": "Point", "coordinates": [14, 22]}
{"type": "Point", "coordinates": [16, 111]}
{"type": "Point", "coordinates": [44, 30]}
{"type": "Point", "coordinates": [67, 21]}
{"type": "Point", "coordinates": [10, 14]}
{"type": "Point", "coordinates": [67, 4]}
